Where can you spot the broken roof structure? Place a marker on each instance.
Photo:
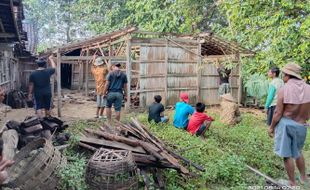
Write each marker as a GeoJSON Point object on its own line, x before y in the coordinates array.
{"type": "Point", "coordinates": [156, 63]}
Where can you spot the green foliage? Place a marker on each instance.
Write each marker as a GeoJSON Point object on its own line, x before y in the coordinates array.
{"type": "Point", "coordinates": [224, 154]}
{"type": "Point", "coordinates": [277, 30]}
{"type": "Point", "coordinates": [72, 175]}
{"type": "Point", "coordinates": [257, 86]}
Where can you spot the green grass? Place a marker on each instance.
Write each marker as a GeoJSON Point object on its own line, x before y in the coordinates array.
{"type": "Point", "coordinates": [224, 153]}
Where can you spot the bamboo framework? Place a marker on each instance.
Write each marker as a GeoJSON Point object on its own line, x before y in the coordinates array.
{"type": "Point", "coordinates": [155, 63]}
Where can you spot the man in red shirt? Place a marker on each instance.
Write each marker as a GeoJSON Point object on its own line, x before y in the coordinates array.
{"type": "Point", "coordinates": [199, 123]}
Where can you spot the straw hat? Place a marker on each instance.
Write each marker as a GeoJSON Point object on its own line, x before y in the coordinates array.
{"type": "Point", "coordinates": [98, 61]}
{"type": "Point", "coordinates": [228, 97]}
{"type": "Point", "coordinates": [292, 69]}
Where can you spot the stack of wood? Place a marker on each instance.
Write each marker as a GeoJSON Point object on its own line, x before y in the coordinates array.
{"type": "Point", "coordinates": [17, 99]}
{"type": "Point", "coordinates": [33, 128]}
{"type": "Point", "coordinates": [148, 150]}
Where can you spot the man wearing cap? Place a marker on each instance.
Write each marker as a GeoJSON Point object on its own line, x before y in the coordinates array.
{"type": "Point", "coordinates": [182, 112]}
{"type": "Point", "coordinates": [230, 114]}
{"type": "Point", "coordinates": [288, 125]}
{"type": "Point", "coordinates": [115, 90]}
{"type": "Point", "coordinates": [40, 87]}
{"type": "Point", "coordinates": [100, 71]}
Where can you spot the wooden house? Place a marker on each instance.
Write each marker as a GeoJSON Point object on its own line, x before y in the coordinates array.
{"type": "Point", "coordinates": [155, 63]}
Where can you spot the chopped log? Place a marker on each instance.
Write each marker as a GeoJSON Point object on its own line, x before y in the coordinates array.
{"type": "Point", "coordinates": [13, 125]}
{"type": "Point", "coordinates": [88, 146]}
{"type": "Point", "coordinates": [135, 143]}
{"type": "Point", "coordinates": [31, 122]}
{"type": "Point", "coordinates": [112, 144]}
{"type": "Point", "coordinates": [10, 141]}
{"type": "Point", "coordinates": [33, 129]}
{"type": "Point", "coordinates": [138, 126]}
{"type": "Point", "coordinates": [49, 125]}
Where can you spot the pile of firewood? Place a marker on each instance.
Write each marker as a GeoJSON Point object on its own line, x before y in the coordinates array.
{"type": "Point", "coordinates": [148, 151]}
{"type": "Point", "coordinates": [33, 128]}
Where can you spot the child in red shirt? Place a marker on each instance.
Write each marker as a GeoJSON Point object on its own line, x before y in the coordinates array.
{"type": "Point", "coordinates": [199, 123]}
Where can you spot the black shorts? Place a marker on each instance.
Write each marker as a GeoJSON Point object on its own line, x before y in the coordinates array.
{"type": "Point", "coordinates": [43, 101]}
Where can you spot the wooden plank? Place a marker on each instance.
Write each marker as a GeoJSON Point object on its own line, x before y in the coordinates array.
{"type": "Point", "coordinates": [112, 144]}
{"type": "Point", "coordinates": [160, 45]}
{"type": "Point", "coordinates": [89, 58]}
{"type": "Point", "coordinates": [189, 50]}
{"type": "Point", "coordinates": [58, 83]}
{"type": "Point", "coordinates": [163, 41]}
{"type": "Point", "coordinates": [148, 61]}
{"type": "Point", "coordinates": [166, 68]}
{"type": "Point", "coordinates": [128, 68]}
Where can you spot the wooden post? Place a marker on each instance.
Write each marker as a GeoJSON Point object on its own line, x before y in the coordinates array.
{"type": "Point", "coordinates": [166, 71]}
{"type": "Point", "coordinates": [80, 83]}
{"type": "Point", "coordinates": [58, 83]}
{"type": "Point", "coordinates": [87, 74]}
{"type": "Point", "coordinates": [239, 80]}
{"type": "Point", "coordinates": [199, 71]}
{"type": "Point", "coordinates": [110, 52]}
{"type": "Point", "coordinates": [80, 76]}
{"type": "Point", "coordinates": [128, 72]}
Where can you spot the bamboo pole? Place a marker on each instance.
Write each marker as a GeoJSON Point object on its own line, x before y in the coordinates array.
{"type": "Point", "coordinates": [166, 71]}
{"type": "Point", "coordinates": [128, 72]}
{"type": "Point", "coordinates": [87, 74]}
{"type": "Point", "coordinates": [58, 83]}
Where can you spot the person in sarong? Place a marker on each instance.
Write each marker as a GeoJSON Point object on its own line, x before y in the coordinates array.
{"type": "Point", "coordinates": [288, 126]}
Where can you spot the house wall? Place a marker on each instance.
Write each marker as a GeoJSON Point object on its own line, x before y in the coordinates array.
{"type": "Point", "coordinates": [169, 69]}
{"type": "Point", "coordinates": [8, 68]}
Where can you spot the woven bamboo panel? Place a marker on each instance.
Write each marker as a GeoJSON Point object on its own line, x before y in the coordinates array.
{"type": "Point", "coordinates": [35, 166]}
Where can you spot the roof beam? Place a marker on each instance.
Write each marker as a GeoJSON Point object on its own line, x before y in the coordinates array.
{"type": "Point", "coordinates": [14, 19]}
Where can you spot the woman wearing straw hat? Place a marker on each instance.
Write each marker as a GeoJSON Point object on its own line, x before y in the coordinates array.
{"type": "Point", "coordinates": [288, 126]}
{"type": "Point", "coordinates": [230, 114]}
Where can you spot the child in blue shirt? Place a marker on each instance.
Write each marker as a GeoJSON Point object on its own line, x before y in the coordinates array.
{"type": "Point", "coordinates": [182, 112]}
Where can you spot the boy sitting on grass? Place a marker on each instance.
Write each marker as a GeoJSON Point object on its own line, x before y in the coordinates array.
{"type": "Point", "coordinates": [199, 123]}
{"type": "Point", "coordinates": [156, 111]}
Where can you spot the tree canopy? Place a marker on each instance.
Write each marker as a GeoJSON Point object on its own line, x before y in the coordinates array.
{"type": "Point", "coordinates": [278, 31]}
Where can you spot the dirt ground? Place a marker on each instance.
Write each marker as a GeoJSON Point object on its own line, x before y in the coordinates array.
{"type": "Point", "coordinates": [75, 106]}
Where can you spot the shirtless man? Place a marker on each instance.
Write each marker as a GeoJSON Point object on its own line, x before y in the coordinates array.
{"type": "Point", "coordinates": [289, 121]}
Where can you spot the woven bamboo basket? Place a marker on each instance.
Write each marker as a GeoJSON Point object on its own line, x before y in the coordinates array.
{"type": "Point", "coordinates": [112, 169]}
{"type": "Point", "coordinates": [35, 166]}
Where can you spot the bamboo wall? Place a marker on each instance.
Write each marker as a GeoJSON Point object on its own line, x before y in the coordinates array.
{"type": "Point", "coordinates": [210, 84]}
{"type": "Point", "coordinates": [167, 70]}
